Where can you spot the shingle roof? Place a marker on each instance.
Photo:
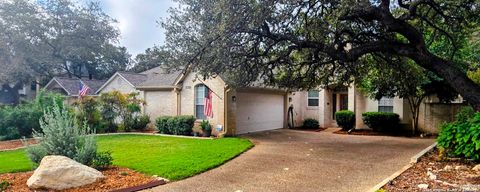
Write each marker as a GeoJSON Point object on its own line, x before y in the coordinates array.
{"type": "Point", "coordinates": [134, 78]}
{"type": "Point", "coordinates": [158, 77]}
{"type": "Point", "coordinates": [72, 85]}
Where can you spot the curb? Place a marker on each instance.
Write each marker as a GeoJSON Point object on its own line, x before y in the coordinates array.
{"type": "Point", "coordinates": [413, 160]}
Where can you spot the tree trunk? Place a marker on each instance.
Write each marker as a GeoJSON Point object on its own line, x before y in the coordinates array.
{"type": "Point", "coordinates": [453, 75]}
{"type": "Point", "coordinates": [415, 103]}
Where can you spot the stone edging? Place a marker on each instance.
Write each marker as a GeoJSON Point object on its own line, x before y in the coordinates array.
{"type": "Point", "coordinates": [413, 160]}
{"type": "Point", "coordinates": [158, 134]}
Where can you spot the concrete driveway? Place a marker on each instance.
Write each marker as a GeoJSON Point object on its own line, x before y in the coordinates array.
{"type": "Point", "coordinates": [287, 160]}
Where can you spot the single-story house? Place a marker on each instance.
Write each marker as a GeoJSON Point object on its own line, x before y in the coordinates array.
{"type": "Point", "coordinates": [70, 86]}
{"type": "Point", "coordinates": [322, 105]}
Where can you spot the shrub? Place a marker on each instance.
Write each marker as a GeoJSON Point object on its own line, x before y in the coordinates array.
{"type": "Point", "coordinates": [141, 122]}
{"type": "Point", "coordinates": [9, 133]}
{"type": "Point", "coordinates": [179, 125]}
{"type": "Point", "coordinates": [102, 160]}
{"type": "Point", "coordinates": [310, 123]}
{"type": "Point", "coordinates": [205, 125]}
{"type": "Point", "coordinates": [381, 121]}
{"type": "Point", "coordinates": [88, 112]}
{"type": "Point", "coordinates": [25, 117]}
{"type": "Point", "coordinates": [61, 135]}
{"type": "Point", "coordinates": [345, 119]}
{"type": "Point", "coordinates": [4, 185]}
{"type": "Point", "coordinates": [162, 124]}
{"type": "Point", "coordinates": [461, 138]}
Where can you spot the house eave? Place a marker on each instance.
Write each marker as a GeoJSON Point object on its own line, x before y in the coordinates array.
{"type": "Point", "coordinates": [157, 88]}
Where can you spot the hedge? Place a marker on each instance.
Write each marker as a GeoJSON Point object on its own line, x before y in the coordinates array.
{"type": "Point", "coordinates": [381, 121]}
{"type": "Point", "coordinates": [178, 125]}
{"type": "Point", "coordinates": [345, 119]}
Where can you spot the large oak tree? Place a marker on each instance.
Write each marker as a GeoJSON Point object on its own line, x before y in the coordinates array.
{"type": "Point", "coordinates": [307, 43]}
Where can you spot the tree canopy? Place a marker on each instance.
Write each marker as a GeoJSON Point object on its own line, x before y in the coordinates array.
{"type": "Point", "coordinates": [153, 57]}
{"type": "Point", "coordinates": [51, 37]}
{"type": "Point", "coordinates": [310, 43]}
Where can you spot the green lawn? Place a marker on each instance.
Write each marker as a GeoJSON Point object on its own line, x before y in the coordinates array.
{"type": "Point", "coordinates": [169, 157]}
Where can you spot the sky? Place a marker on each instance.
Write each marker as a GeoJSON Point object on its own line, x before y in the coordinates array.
{"type": "Point", "coordinates": [137, 22]}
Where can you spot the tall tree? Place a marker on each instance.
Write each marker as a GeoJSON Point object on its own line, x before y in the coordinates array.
{"type": "Point", "coordinates": [153, 57]}
{"type": "Point", "coordinates": [312, 42]}
{"type": "Point", "coordinates": [50, 37]}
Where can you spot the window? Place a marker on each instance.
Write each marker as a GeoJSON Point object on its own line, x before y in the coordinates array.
{"type": "Point", "coordinates": [385, 104]}
{"type": "Point", "coordinates": [313, 98]}
{"type": "Point", "coordinates": [201, 91]}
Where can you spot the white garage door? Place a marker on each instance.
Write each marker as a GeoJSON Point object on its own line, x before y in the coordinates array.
{"type": "Point", "coordinates": [259, 112]}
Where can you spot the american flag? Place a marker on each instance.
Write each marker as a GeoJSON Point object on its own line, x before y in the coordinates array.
{"type": "Point", "coordinates": [83, 90]}
{"type": "Point", "coordinates": [208, 105]}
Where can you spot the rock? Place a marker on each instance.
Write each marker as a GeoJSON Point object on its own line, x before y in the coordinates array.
{"type": "Point", "coordinates": [431, 163]}
{"type": "Point", "coordinates": [431, 176]}
{"type": "Point", "coordinates": [423, 186]}
{"type": "Point", "coordinates": [59, 172]}
{"type": "Point", "coordinates": [461, 167]}
{"type": "Point", "coordinates": [448, 168]}
{"type": "Point", "coordinates": [476, 168]}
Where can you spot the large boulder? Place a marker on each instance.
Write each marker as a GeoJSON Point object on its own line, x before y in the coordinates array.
{"type": "Point", "coordinates": [59, 172]}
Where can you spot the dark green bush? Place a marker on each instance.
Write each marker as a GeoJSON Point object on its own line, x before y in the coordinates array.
{"type": "Point", "coordinates": [141, 122]}
{"type": "Point", "coordinates": [461, 138]}
{"type": "Point", "coordinates": [9, 133]}
{"type": "Point", "coordinates": [381, 121]}
{"type": "Point", "coordinates": [25, 117]}
{"type": "Point", "coordinates": [310, 123]}
{"type": "Point", "coordinates": [102, 160]}
{"type": "Point", "coordinates": [178, 125]}
{"type": "Point", "coordinates": [345, 119]}
{"type": "Point", "coordinates": [162, 125]}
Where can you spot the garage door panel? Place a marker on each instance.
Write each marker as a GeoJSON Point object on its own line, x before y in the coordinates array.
{"type": "Point", "coordinates": [259, 112]}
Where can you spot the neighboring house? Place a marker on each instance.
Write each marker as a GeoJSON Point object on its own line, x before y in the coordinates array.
{"type": "Point", "coordinates": [70, 87]}
{"type": "Point", "coordinates": [322, 105]}
{"type": "Point", "coordinates": [124, 82]}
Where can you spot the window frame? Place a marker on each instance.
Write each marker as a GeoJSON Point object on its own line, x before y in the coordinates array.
{"type": "Point", "coordinates": [386, 104]}
{"type": "Point", "coordinates": [196, 103]}
{"type": "Point", "coordinates": [313, 98]}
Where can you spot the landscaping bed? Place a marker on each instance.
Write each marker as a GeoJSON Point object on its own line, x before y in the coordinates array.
{"type": "Point", "coordinates": [370, 132]}
{"type": "Point", "coordinates": [116, 178]}
{"type": "Point", "coordinates": [446, 175]}
{"type": "Point", "coordinates": [312, 130]}
{"type": "Point", "coordinates": [14, 144]}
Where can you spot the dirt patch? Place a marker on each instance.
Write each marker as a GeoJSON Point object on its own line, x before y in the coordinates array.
{"type": "Point", "coordinates": [14, 144]}
{"type": "Point", "coordinates": [116, 178]}
{"type": "Point", "coordinates": [458, 176]}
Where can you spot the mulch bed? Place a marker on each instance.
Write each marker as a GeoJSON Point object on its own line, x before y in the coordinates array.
{"type": "Point", "coordinates": [311, 130]}
{"type": "Point", "coordinates": [13, 144]}
{"type": "Point", "coordinates": [463, 179]}
{"type": "Point", "coordinates": [116, 178]}
{"type": "Point", "coordinates": [369, 132]}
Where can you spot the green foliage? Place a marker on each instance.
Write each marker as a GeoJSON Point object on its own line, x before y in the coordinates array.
{"type": "Point", "coordinates": [21, 120]}
{"type": "Point", "coordinates": [205, 125]}
{"type": "Point", "coordinates": [123, 106]}
{"type": "Point", "coordinates": [345, 119]}
{"type": "Point", "coordinates": [178, 125]}
{"type": "Point", "coordinates": [102, 160]}
{"type": "Point", "coordinates": [141, 122]}
{"type": "Point", "coordinates": [88, 112]}
{"type": "Point", "coordinates": [310, 123]}
{"type": "Point", "coordinates": [381, 121]}
{"type": "Point", "coordinates": [62, 135]}
{"type": "Point", "coordinates": [462, 137]}
{"type": "Point", "coordinates": [162, 124]}
{"type": "Point", "coordinates": [4, 185]}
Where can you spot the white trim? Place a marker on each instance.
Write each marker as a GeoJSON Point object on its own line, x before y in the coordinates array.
{"type": "Point", "coordinates": [55, 79]}
{"type": "Point", "coordinates": [111, 79]}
